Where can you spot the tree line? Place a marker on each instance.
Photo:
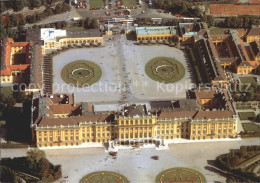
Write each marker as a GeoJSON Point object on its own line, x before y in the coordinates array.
{"type": "Point", "coordinates": [35, 163]}
{"type": "Point", "coordinates": [19, 20]}
{"type": "Point", "coordinates": [241, 22]}
{"type": "Point", "coordinates": [182, 7]}
{"type": "Point", "coordinates": [18, 5]}
{"type": "Point", "coordinates": [229, 162]}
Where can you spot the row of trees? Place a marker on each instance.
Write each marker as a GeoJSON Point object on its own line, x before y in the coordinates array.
{"type": "Point", "coordinates": [89, 23]}
{"type": "Point", "coordinates": [17, 121]}
{"type": "Point", "coordinates": [245, 92]}
{"type": "Point", "coordinates": [18, 5]}
{"type": "Point", "coordinates": [209, 19]}
{"type": "Point", "coordinates": [183, 7]}
{"type": "Point", "coordinates": [34, 164]}
{"type": "Point", "coordinates": [19, 20]}
{"type": "Point", "coordinates": [241, 22]}
{"type": "Point", "coordinates": [229, 161]}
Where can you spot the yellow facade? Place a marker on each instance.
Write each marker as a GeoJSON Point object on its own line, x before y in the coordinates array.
{"type": "Point", "coordinates": [186, 39]}
{"type": "Point", "coordinates": [252, 38]}
{"type": "Point", "coordinates": [213, 129]}
{"type": "Point", "coordinates": [127, 129]}
{"type": "Point", "coordinates": [210, 102]}
{"type": "Point", "coordinates": [74, 135]}
{"type": "Point", "coordinates": [6, 79]}
{"type": "Point", "coordinates": [70, 41]}
{"type": "Point", "coordinates": [155, 37]}
{"type": "Point", "coordinates": [244, 69]}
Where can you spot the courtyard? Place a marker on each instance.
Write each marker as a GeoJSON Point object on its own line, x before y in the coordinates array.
{"type": "Point", "coordinates": [136, 164]}
{"type": "Point", "coordinates": [123, 78]}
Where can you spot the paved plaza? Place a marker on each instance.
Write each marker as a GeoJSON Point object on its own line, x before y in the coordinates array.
{"type": "Point", "coordinates": [123, 77]}
{"type": "Point", "coordinates": [137, 165]}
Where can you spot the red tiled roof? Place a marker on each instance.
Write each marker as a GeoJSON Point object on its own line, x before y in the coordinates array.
{"type": "Point", "coordinates": [176, 114]}
{"type": "Point", "coordinates": [232, 9]}
{"type": "Point", "coordinates": [213, 115]}
{"type": "Point", "coordinates": [254, 31]}
{"type": "Point", "coordinates": [9, 68]}
{"type": "Point", "coordinates": [74, 120]}
{"type": "Point", "coordinates": [63, 108]}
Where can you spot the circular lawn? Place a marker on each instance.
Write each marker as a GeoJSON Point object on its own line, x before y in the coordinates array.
{"type": "Point", "coordinates": [81, 73]}
{"type": "Point", "coordinates": [104, 176]}
{"type": "Point", "coordinates": [165, 70]}
{"type": "Point", "coordinates": [179, 175]}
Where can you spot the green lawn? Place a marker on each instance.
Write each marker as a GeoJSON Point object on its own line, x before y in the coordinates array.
{"type": "Point", "coordinates": [247, 80]}
{"type": "Point", "coordinates": [81, 73]}
{"type": "Point", "coordinates": [165, 70]}
{"type": "Point", "coordinates": [217, 30]}
{"type": "Point", "coordinates": [251, 127]}
{"type": "Point", "coordinates": [97, 3]}
{"type": "Point", "coordinates": [104, 176]}
{"type": "Point", "coordinates": [246, 115]}
{"type": "Point", "coordinates": [129, 3]}
{"type": "Point", "coordinates": [239, 107]}
{"type": "Point", "coordinates": [6, 91]}
{"type": "Point", "coordinates": [180, 175]}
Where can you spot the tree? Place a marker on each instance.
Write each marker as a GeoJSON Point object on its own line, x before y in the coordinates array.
{"type": "Point", "coordinates": [18, 5]}
{"type": "Point", "coordinates": [35, 155]}
{"type": "Point", "coordinates": [197, 11]}
{"type": "Point", "coordinates": [7, 175]}
{"type": "Point", "coordinates": [22, 20]}
{"type": "Point", "coordinates": [246, 21]}
{"type": "Point", "coordinates": [87, 23]}
{"type": "Point", "coordinates": [44, 164]}
{"type": "Point", "coordinates": [184, 7]}
{"type": "Point", "coordinates": [94, 24]}
{"type": "Point", "coordinates": [44, 2]}
{"type": "Point", "coordinates": [210, 20]}
{"type": "Point", "coordinates": [2, 7]}
{"type": "Point", "coordinates": [36, 3]}
{"type": "Point", "coordinates": [58, 8]}
{"type": "Point", "coordinates": [204, 18]}
{"type": "Point", "coordinates": [48, 12]}
{"type": "Point", "coordinates": [251, 94]}
{"type": "Point", "coordinates": [81, 23]}
{"type": "Point", "coordinates": [2, 32]}
{"type": "Point", "coordinates": [228, 21]}
{"type": "Point", "coordinates": [31, 18]}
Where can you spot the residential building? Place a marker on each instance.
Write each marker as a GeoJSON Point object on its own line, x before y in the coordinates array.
{"type": "Point", "coordinates": [204, 114]}
{"type": "Point", "coordinates": [15, 61]}
{"type": "Point", "coordinates": [253, 34]}
{"type": "Point", "coordinates": [155, 33]}
{"type": "Point", "coordinates": [53, 39]}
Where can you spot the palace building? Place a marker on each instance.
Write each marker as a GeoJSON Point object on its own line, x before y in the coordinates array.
{"type": "Point", "coordinates": [53, 39]}
{"type": "Point", "coordinates": [253, 35]}
{"type": "Point", "coordinates": [188, 31]}
{"type": "Point", "coordinates": [15, 61]}
{"type": "Point", "coordinates": [205, 114]}
{"type": "Point", "coordinates": [155, 33]}
{"type": "Point", "coordinates": [227, 51]}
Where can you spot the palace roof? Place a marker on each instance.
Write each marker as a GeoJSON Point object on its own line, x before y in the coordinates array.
{"type": "Point", "coordinates": [6, 46]}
